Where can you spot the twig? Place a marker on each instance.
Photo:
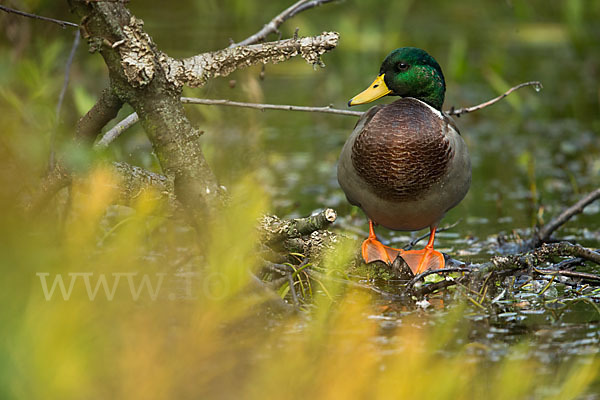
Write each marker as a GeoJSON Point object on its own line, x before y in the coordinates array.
{"type": "Point", "coordinates": [475, 302]}
{"type": "Point", "coordinates": [570, 274]}
{"type": "Point", "coordinates": [262, 107]}
{"type": "Point", "coordinates": [64, 24]}
{"type": "Point", "coordinates": [61, 97]}
{"type": "Point", "coordinates": [484, 289]}
{"type": "Point", "coordinates": [569, 263]}
{"type": "Point", "coordinates": [279, 268]}
{"type": "Point", "coordinates": [465, 110]}
{"type": "Point", "coordinates": [116, 130]}
{"type": "Point", "coordinates": [546, 231]}
{"type": "Point", "coordinates": [131, 119]}
{"type": "Point", "coordinates": [427, 289]}
{"type": "Point", "coordinates": [275, 23]}
{"type": "Point", "coordinates": [292, 289]}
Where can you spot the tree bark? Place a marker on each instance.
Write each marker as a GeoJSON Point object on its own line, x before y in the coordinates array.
{"type": "Point", "coordinates": [142, 82]}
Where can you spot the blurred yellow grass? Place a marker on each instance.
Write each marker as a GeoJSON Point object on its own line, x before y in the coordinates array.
{"type": "Point", "coordinates": [222, 343]}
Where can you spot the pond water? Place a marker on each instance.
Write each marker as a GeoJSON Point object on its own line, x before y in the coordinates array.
{"type": "Point", "coordinates": [533, 153]}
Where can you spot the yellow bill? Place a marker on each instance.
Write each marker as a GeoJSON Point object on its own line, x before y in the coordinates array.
{"type": "Point", "coordinates": [376, 90]}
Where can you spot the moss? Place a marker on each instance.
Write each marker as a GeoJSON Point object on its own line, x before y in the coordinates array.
{"type": "Point", "coordinates": [376, 270]}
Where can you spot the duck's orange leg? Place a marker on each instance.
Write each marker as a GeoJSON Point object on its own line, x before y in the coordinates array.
{"type": "Point", "coordinates": [374, 250]}
{"type": "Point", "coordinates": [427, 258]}
{"type": "Point", "coordinates": [417, 260]}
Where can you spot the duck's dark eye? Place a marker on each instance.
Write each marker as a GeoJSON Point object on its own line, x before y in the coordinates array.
{"type": "Point", "coordinates": [401, 67]}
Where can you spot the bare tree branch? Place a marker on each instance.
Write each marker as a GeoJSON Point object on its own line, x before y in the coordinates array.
{"type": "Point", "coordinates": [461, 111]}
{"type": "Point", "coordinates": [132, 118]}
{"type": "Point", "coordinates": [64, 24]}
{"type": "Point", "coordinates": [137, 76]}
{"type": "Point", "coordinates": [275, 23]}
{"type": "Point", "coordinates": [262, 107]}
{"type": "Point", "coordinates": [132, 182]}
{"type": "Point", "coordinates": [105, 109]}
{"type": "Point", "coordinates": [116, 130]}
{"type": "Point", "coordinates": [61, 97]}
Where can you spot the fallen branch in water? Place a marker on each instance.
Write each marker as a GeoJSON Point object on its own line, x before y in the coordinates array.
{"type": "Point", "coordinates": [131, 119]}
{"type": "Point", "coordinates": [537, 256]}
{"type": "Point", "coordinates": [569, 274]}
{"type": "Point", "coordinates": [544, 233]}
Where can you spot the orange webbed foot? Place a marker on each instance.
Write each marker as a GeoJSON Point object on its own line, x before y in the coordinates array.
{"type": "Point", "coordinates": [422, 260]}
{"type": "Point", "coordinates": [374, 250]}
{"type": "Point", "coordinates": [427, 258]}
{"type": "Point", "coordinates": [417, 260]}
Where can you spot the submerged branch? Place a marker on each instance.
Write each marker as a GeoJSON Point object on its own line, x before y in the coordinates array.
{"type": "Point", "coordinates": [546, 231]}
{"type": "Point", "coordinates": [569, 274]}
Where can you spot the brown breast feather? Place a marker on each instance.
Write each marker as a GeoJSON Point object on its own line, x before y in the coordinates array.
{"type": "Point", "coordinates": [402, 151]}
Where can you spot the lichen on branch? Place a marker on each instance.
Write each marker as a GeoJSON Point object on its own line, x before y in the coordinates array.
{"type": "Point", "coordinates": [137, 57]}
{"type": "Point", "coordinates": [195, 71]}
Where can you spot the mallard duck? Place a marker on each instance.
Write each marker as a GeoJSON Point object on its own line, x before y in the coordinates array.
{"type": "Point", "coordinates": [405, 164]}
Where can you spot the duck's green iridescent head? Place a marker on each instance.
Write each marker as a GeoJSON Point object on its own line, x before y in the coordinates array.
{"type": "Point", "coordinates": [407, 72]}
